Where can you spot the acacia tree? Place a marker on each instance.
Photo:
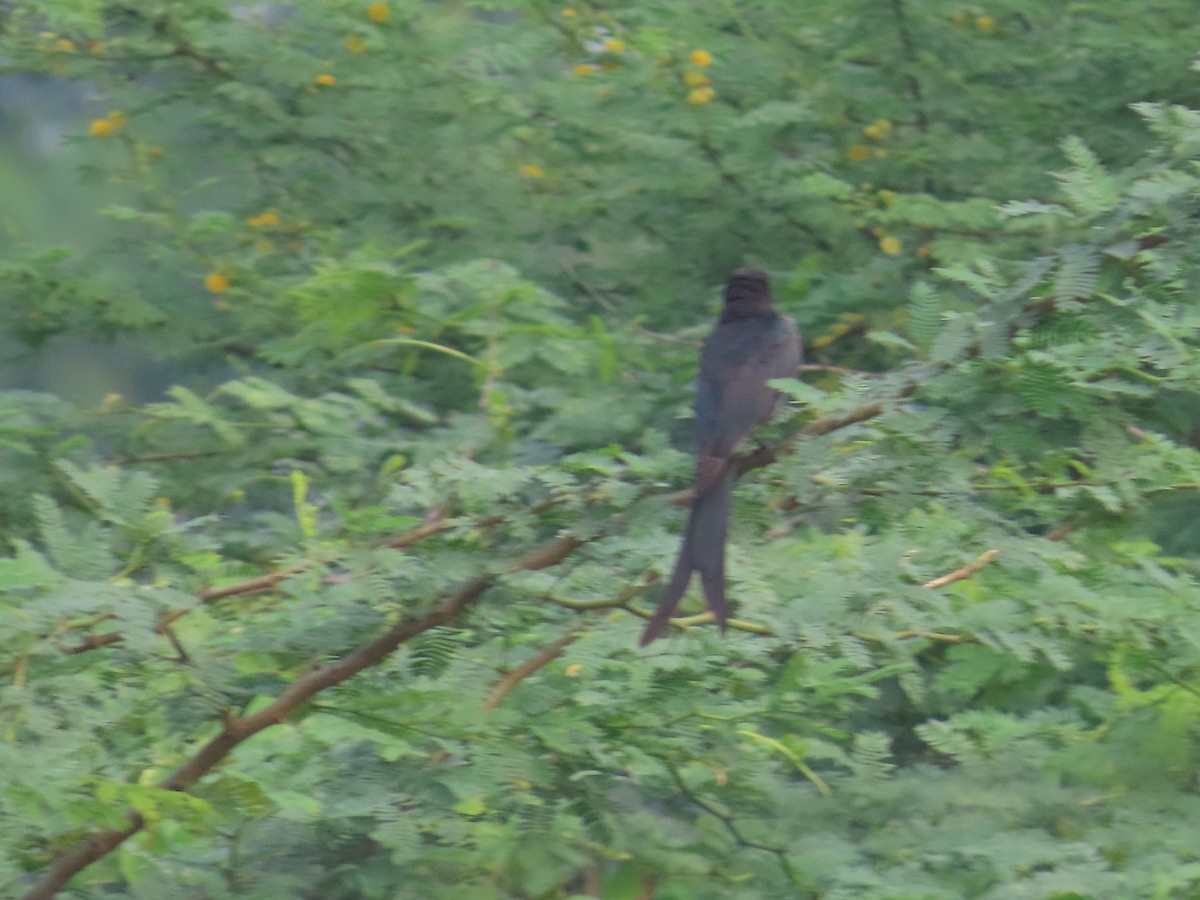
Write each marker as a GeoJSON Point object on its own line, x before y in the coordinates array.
{"type": "Point", "coordinates": [359, 619]}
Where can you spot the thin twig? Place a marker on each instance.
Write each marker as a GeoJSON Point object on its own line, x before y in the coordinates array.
{"type": "Point", "coordinates": [813, 367]}
{"type": "Point", "coordinates": [611, 307]}
{"type": "Point", "coordinates": [249, 586]}
{"type": "Point", "coordinates": [965, 572]}
{"type": "Point", "coordinates": [727, 820]}
{"type": "Point", "coordinates": [542, 658]}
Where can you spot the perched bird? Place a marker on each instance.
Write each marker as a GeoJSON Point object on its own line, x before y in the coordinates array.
{"type": "Point", "coordinates": [750, 345]}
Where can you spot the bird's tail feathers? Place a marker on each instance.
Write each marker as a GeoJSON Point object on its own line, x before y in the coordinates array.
{"type": "Point", "coordinates": [703, 551]}
{"type": "Point", "coordinates": [707, 535]}
{"type": "Point", "coordinates": [668, 601]}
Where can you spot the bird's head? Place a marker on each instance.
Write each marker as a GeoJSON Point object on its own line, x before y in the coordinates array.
{"type": "Point", "coordinates": [747, 295]}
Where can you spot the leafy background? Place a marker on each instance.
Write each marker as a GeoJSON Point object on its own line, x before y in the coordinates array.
{"type": "Point", "coordinates": [346, 431]}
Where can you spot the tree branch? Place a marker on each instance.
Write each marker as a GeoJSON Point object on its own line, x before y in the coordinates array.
{"type": "Point", "coordinates": [761, 457]}
{"type": "Point", "coordinates": [242, 728]}
{"type": "Point", "coordinates": [965, 572]}
{"type": "Point", "coordinates": [542, 658]}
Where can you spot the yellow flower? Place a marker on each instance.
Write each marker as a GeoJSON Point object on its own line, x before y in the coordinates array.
{"type": "Point", "coordinates": [379, 13]}
{"type": "Point", "coordinates": [573, 669]}
{"type": "Point", "coordinates": [692, 78]}
{"type": "Point", "coordinates": [267, 218]}
{"type": "Point", "coordinates": [216, 282]}
{"type": "Point", "coordinates": [858, 152]}
{"type": "Point", "coordinates": [584, 69]}
{"type": "Point", "coordinates": [100, 128]}
{"type": "Point", "coordinates": [614, 45]}
{"type": "Point", "coordinates": [701, 57]}
{"type": "Point", "coordinates": [118, 118]}
{"type": "Point", "coordinates": [959, 18]}
{"type": "Point", "coordinates": [325, 79]}
{"type": "Point", "coordinates": [890, 245]}
{"type": "Point", "coordinates": [887, 197]}
{"type": "Point", "coordinates": [569, 13]}
{"type": "Point", "coordinates": [529, 170]}
{"type": "Point", "coordinates": [986, 24]}
{"type": "Point", "coordinates": [66, 45]}
{"type": "Point", "coordinates": [700, 96]}
{"type": "Point", "coordinates": [355, 43]}
{"type": "Point", "coordinates": [878, 130]}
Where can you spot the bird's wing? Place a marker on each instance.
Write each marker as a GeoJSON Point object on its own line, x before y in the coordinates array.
{"type": "Point", "coordinates": [733, 397]}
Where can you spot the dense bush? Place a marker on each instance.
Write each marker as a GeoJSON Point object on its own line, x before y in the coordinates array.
{"type": "Point", "coordinates": [359, 619]}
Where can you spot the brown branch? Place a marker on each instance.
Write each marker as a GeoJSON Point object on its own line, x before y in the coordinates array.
{"type": "Point", "coordinates": [1137, 433]}
{"type": "Point", "coordinates": [169, 455]}
{"type": "Point", "coordinates": [759, 458]}
{"type": "Point", "coordinates": [764, 456]}
{"type": "Point", "coordinates": [420, 533]}
{"type": "Point", "coordinates": [208, 595]}
{"type": "Point", "coordinates": [840, 370]}
{"type": "Point", "coordinates": [786, 527]}
{"type": "Point", "coordinates": [181, 654]}
{"type": "Point", "coordinates": [241, 728]}
{"type": "Point", "coordinates": [705, 618]}
{"type": "Point", "coordinates": [909, 633]}
{"type": "Point", "coordinates": [249, 586]}
{"type": "Point", "coordinates": [965, 572]}
{"type": "Point", "coordinates": [1060, 531]}
{"type": "Point", "coordinates": [542, 658]}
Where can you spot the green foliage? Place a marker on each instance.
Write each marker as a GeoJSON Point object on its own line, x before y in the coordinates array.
{"type": "Point", "coordinates": [433, 256]}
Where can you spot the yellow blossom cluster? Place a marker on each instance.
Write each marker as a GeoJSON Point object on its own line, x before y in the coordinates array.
{"type": "Point", "coordinates": [879, 130]}
{"type": "Point", "coordinates": [700, 90]}
{"type": "Point", "coordinates": [216, 282]}
{"type": "Point", "coordinates": [985, 24]}
{"type": "Point", "coordinates": [847, 323]}
{"type": "Point", "coordinates": [109, 125]}
{"type": "Point", "coordinates": [890, 245]}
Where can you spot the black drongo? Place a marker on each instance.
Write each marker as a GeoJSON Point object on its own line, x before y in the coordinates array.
{"type": "Point", "coordinates": [750, 345]}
